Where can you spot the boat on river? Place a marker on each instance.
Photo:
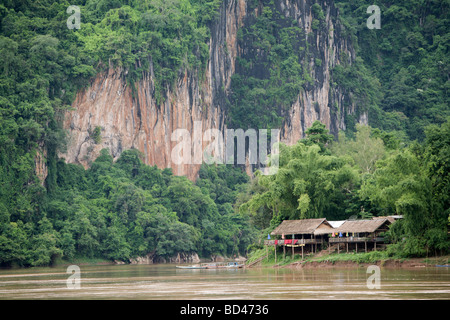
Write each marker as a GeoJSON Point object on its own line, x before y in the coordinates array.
{"type": "Point", "coordinates": [191, 267]}
{"type": "Point", "coordinates": [214, 265]}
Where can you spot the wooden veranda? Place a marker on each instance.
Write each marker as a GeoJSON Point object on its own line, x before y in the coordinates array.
{"type": "Point", "coordinates": [310, 234]}
{"type": "Point", "coordinates": [299, 234]}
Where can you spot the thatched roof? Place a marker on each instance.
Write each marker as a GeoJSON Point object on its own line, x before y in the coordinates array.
{"type": "Point", "coordinates": [322, 226]}
{"type": "Point", "coordinates": [361, 226]}
{"type": "Point", "coordinates": [306, 226]}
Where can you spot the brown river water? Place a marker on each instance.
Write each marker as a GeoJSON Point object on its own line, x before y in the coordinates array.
{"type": "Point", "coordinates": [165, 282]}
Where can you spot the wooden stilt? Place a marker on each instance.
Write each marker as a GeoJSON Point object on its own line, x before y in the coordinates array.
{"type": "Point", "coordinates": [365, 246]}
{"type": "Point", "coordinates": [293, 249]}
{"type": "Point", "coordinates": [375, 246]}
{"type": "Point", "coordinates": [284, 252]}
{"type": "Point", "coordinates": [347, 246]}
{"type": "Point", "coordinates": [356, 247]}
{"type": "Point", "coordinates": [275, 253]}
{"type": "Point", "coordinates": [339, 246]}
{"type": "Point", "coordinates": [302, 250]}
{"type": "Point", "coordinates": [312, 245]}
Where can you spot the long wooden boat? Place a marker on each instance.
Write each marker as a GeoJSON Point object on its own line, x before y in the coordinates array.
{"type": "Point", "coordinates": [224, 265]}
{"type": "Point", "coordinates": [214, 265]}
{"type": "Point", "coordinates": [192, 267]}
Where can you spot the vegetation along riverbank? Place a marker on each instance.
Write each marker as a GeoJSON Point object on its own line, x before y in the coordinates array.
{"type": "Point", "coordinates": [259, 258]}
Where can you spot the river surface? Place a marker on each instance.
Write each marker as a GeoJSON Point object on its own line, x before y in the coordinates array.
{"type": "Point", "coordinates": [158, 282]}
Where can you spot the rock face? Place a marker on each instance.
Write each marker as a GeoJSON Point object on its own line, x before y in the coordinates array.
{"type": "Point", "coordinates": [40, 163]}
{"type": "Point", "coordinates": [130, 118]}
{"type": "Point", "coordinates": [320, 101]}
{"type": "Point", "coordinates": [126, 122]}
{"type": "Point", "coordinates": [151, 259]}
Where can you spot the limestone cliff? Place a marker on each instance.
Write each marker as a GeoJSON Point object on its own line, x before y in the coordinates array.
{"type": "Point", "coordinates": [324, 44]}
{"type": "Point", "coordinates": [129, 117]}
{"type": "Point", "coordinates": [134, 120]}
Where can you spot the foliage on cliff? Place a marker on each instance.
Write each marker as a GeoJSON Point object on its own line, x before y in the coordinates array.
{"type": "Point", "coordinates": [269, 74]}
{"type": "Point", "coordinates": [274, 64]}
{"type": "Point", "coordinates": [409, 59]}
{"type": "Point", "coordinates": [167, 37]}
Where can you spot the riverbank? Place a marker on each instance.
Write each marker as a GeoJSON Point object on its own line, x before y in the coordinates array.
{"type": "Point", "coordinates": [85, 262]}
{"type": "Point", "coordinates": [389, 263]}
{"type": "Point", "coordinates": [345, 260]}
{"type": "Point", "coordinates": [146, 260]}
